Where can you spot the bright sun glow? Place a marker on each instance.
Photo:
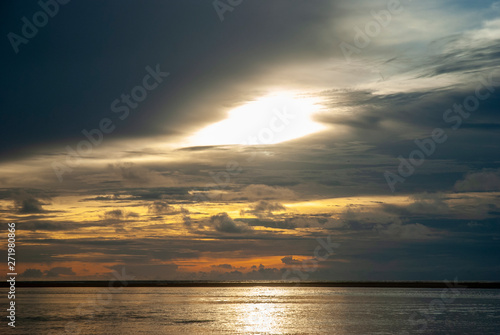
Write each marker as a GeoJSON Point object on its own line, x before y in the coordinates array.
{"type": "Point", "coordinates": [268, 120]}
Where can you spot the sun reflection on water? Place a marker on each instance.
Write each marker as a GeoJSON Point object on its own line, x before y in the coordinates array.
{"type": "Point", "coordinates": [263, 314]}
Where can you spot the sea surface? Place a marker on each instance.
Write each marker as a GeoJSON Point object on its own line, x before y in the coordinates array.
{"type": "Point", "coordinates": [254, 310]}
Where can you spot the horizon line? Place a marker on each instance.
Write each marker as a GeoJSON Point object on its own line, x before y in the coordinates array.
{"type": "Point", "coordinates": [214, 283]}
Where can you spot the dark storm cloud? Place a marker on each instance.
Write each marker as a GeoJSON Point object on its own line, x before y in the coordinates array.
{"type": "Point", "coordinates": [223, 223]}
{"type": "Point", "coordinates": [32, 273]}
{"type": "Point", "coordinates": [289, 260]}
{"type": "Point", "coordinates": [418, 111]}
{"type": "Point", "coordinates": [483, 181]}
{"type": "Point", "coordinates": [115, 214]}
{"type": "Point", "coordinates": [390, 123]}
{"type": "Point", "coordinates": [160, 207]}
{"type": "Point", "coordinates": [93, 64]}
{"type": "Point", "coordinates": [385, 119]}
{"type": "Point", "coordinates": [27, 203]}
{"type": "Point", "coordinates": [163, 208]}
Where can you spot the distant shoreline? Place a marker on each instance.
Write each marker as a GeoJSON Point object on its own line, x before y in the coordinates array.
{"type": "Point", "coordinates": [163, 283]}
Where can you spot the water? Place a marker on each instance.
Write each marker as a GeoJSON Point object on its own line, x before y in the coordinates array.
{"type": "Point", "coordinates": [254, 310]}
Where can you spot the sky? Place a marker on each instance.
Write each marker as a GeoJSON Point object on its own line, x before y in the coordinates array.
{"type": "Point", "coordinates": [251, 140]}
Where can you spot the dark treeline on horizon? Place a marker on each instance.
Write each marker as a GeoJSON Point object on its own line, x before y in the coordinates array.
{"type": "Point", "coordinates": [163, 283]}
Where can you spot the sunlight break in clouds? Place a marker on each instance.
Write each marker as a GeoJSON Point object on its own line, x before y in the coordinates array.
{"type": "Point", "coordinates": [270, 119]}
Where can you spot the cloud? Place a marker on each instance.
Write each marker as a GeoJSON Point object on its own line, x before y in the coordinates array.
{"type": "Point", "coordinates": [264, 209]}
{"type": "Point", "coordinates": [264, 192]}
{"type": "Point", "coordinates": [48, 225]}
{"type": "Point", "coordinates": [483, 181]}
{"type": "Point", "coordinates": [411, 231]}
{"type": "Point", "coordinates": [263, 273]}
{"type": "Point", "coordinates": [307, 221]}
{"type": "Point", "coordinates": [161, 207]}
{"type": "Point", "coordinates": [289, 260]}
{"type": "Point", "coordinates": [423, 204]}
{"type": "Point", "coordinates": [222, 222]}
{"type": "Point", "coordinates": [361, 218]}
{"type": "Point", "coordinates": [26, 203]}
{"type": "Point", "coordinates": [32, 273]}
{"type": "Point", "coordinates": [187, 221]}
{"type": "Point", "coordinates": [115, 214]}
{"type": "Point", "coordinates": [119, 214]}
{"type": "Point", "coordinates": [108, 197]}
